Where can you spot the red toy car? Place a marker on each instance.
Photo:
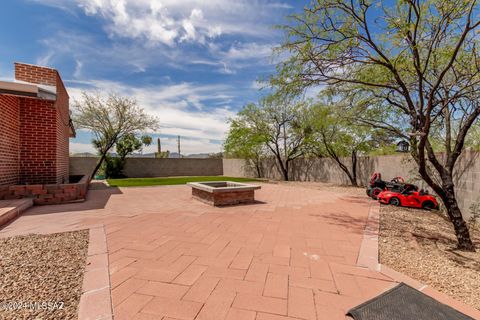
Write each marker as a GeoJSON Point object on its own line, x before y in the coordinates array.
{"type": "Point", "coordinates": [409, 197]}
{"type": "Point", "coordinates": [378, 185]}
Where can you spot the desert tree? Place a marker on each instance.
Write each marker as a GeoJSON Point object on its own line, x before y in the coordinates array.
{"type": "Point", "coordinates": [245, 142]}
{"type": "Point", "coordinates": [338, 135]}
{"type": "Point", "coordinates": [278, 121]}
{"type": "Point", "coordinates": [111, 120]}
{"type": "Point", "coordinates": [124, 147]}
{"type": "Point", "coordinates": [417, 58]}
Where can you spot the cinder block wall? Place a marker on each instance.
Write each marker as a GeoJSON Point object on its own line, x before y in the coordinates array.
{"type": "Point", "coordinates": [466, 176]}
{"type": "Point", "coordinates": [151, 167]}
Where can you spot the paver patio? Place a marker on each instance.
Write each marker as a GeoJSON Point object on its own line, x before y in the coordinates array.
{"type": "Point", "coordinates": [293, 255]}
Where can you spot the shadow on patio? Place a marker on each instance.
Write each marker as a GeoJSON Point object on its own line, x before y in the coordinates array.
{"type": "Point", "coordinates": [97, 198]}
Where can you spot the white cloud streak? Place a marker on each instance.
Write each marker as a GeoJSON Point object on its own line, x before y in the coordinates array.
{"type": "Point", "coordinates": [170, 22]}
{"type": "Point", "coordinates": [181, 108]}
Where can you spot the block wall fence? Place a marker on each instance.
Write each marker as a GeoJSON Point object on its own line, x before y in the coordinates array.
{"type": "Point", "coordinates": [466, 176]}
{"type": "Point", "coordinates": [151, 167]}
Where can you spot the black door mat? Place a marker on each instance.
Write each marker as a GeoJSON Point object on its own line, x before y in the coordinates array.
{"type": "Point", "coordinates": [405, 303]}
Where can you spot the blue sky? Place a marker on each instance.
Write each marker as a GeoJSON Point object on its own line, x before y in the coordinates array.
{"type": "Point", "coordinates": [191, 63]}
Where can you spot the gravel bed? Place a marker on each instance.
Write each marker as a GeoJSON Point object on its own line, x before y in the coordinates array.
{"type": "Point", "coordinates": [422, 245]}
{"type": "Point", "coordinates": [41, 275]}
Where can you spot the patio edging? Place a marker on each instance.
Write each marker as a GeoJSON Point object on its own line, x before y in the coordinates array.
{"type": "Point", "coordinates": [368, 257]}
{"type": "Point", "coordinates": [96, 302]}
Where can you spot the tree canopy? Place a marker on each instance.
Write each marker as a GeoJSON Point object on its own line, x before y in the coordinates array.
{"type": "Point", "coordinates": [276, 125]}
{"type": "Point", "coordinates": [111, 119]}
{"type": "Point", "coordinates": [417, 63]}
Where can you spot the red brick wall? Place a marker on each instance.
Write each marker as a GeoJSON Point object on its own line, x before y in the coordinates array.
{"type": "Point", "coordinates": [34, 132]}
{"type": "Point", "coordinates": [47, 193]}
{"type": "Point", "coordinates": [9, 140]}
{"type": "Point", "coordinates": [38, 156]}
{"type": "Point", "coordinates": [35, 74]}
{"type": "Point", "coordinates": [63, 130]}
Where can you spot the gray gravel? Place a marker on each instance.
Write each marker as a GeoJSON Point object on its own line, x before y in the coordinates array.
{"type": "Point", "coordinates": [422, 244]}
{"type": "Point", "coordinates": [41, 275]}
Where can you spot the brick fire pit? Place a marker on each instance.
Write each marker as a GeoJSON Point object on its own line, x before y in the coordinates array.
{"type": "Point", "coordinates": [223, 193]}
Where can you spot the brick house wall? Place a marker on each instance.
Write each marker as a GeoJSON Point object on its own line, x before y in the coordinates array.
{"type": "Point", "coordinates": [35, 74]}
{"type": "Point", "coordinates": [37, 141]}
{"type": "Point", "coordinates": [63, 131]}
{"type": "Point", "coordinates": [35, 132]}
{"type": "Point", "coordinates": [9, 142]}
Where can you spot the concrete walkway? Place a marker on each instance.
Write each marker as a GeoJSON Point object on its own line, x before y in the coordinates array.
{"type": "Point", "coordinates": [293, 255]}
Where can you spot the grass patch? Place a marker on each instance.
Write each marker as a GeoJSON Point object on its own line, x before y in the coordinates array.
{"type": "Point", "coordinates": [168, 181]}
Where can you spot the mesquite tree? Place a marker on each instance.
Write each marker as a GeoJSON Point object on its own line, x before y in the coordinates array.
{"type": "Point", "coordinates": [338, 135]}
{"type": "Point", "coordinates": [417, 57]}
{"type": "Point", "coordinates": [110, 119]}
{"type": "Point", "coordinates": [279, 123]}
{"type": "Point", "coordinates": [244, 142]}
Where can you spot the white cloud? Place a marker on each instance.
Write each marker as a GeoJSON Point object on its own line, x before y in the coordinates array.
{"type": "Point", "coordinates": [181, 108]}
{"type": "Point", "coordinates": [169, 22]}
{"type": "Point", "coordinates": [247, 51]}
{"type": "Point", "coordinates": [78, 147]}
{"type": "Point", "coordinates": [188, 146]}
{"type": "Point", "coordinates": [78, 68]}
{"type": "Point", "coordinates": [45, 59]}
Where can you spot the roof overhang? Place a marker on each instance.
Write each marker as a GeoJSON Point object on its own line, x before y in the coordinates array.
{"type": "Point", "coordinates": [24, 89]}
{"type": "Point", "coordinates": [19, 89]}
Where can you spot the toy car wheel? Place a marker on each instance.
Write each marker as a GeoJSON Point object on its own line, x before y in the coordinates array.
{"type": "Point", "coordinates": [369, 192]}
{"type": "Point", "coordinates": [428, 205]}
{"type": "Point", "coordinates": [375, 192]}
{"type": "Point", "coordinates": [394, 202]}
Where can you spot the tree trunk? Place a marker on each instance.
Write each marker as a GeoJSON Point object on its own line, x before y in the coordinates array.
{"type": "Point", "coordinates": [353, 179]}
{"type": "Point", "coordinates": [283, 168]}
{"type": "Point", "coordinates": [258, 169]}
{"type": "Point", "coordinates": [446, 192]}
{"type": "Point", "coordinates": [99, 164]}
{"type": "Point", "coordinates": [455, 214]}
{"type": "Point", "coordinates": [285, 172]}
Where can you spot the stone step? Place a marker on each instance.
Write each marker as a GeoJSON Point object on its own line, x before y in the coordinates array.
{"type": "Point", "coordinates": [10, 209]}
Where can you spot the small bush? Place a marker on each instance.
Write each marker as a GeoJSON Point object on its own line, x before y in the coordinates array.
{"type": "Point", "coordinates": [114, 167]}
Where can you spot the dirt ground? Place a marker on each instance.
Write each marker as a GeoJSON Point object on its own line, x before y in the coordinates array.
{"type": "Point", "coordinates": [41, 275]}
{"type": "Point", "coordinates": [422, 245]}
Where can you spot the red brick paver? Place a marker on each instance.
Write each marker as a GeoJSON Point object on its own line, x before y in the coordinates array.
{"type": "Point", "coordinates": [293, 255]}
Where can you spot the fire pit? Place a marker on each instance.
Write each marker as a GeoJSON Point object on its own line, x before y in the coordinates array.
{"type": "Point", "coordinates": [223, 193]}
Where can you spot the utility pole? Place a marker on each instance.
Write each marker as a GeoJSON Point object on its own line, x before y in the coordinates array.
{"type": "Point", "coordinates": [159, 146]}
{"type": "Point", "coordinates": [178, 144]}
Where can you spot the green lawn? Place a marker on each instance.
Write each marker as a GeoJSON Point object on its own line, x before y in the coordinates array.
{"type": "Point", "coordinates": [139, 182]}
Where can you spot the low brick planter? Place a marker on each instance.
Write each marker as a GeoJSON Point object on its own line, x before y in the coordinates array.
{"type": "Point", "coordinates": [48, 193]}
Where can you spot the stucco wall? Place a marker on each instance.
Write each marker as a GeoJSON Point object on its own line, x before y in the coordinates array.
{"type": "Point", "coordinates": [151, 167]}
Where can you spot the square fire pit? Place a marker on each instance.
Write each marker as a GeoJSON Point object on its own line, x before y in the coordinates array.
{"type": "Point", "coordinates": [223, 193]}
